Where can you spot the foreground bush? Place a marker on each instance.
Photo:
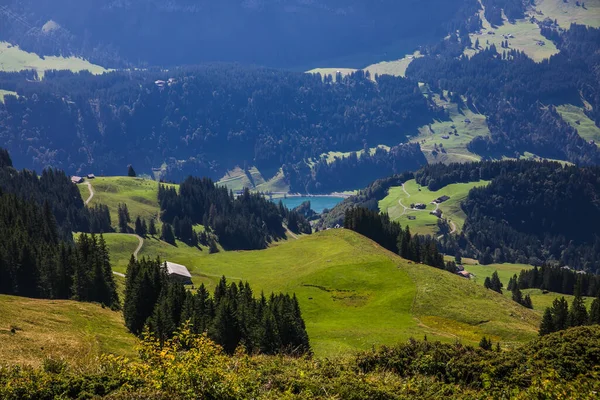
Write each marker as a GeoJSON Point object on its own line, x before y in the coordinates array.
{"type": "Point", "coordinates": [563, 365]}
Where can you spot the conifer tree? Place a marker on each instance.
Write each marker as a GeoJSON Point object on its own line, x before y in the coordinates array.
{"type": "Point", "coordinates": [547, 324]}
{"type": "Point", "coordinates": [152, 228]}
{"type": "Point", "coordinates": [130, 171]}
{"type": "Point", "coordinates": [496, 284]}
{"type": "Point", "coordinates": [594, 317]}
{"type": "Point", "coordinates": [560, 314]}
{"type": "Point", "coordinates": [167, 234]}
{"type": "Point", "coordinates": [139, 230]}
{"type": "Point", "coordinates": [578, 313]}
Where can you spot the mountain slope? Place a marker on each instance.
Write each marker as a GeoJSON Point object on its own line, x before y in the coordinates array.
{"type": "Point", "coordinates": [342, 279]}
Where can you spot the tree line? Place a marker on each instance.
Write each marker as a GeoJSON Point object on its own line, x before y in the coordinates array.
{"type": "Point", "coordinates": [156, 304]}
{"type": "Point", "coordinates": [245, 222]}
{"type": "Point", "coordinates": [558, 279]}
{"type": "Point", "coordinates": [390, 235]}
{"type": "Point", "coordinates": [560, 316]}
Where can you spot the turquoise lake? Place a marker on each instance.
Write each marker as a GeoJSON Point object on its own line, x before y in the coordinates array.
{"type": "Point", "coordinates": [317, 203]}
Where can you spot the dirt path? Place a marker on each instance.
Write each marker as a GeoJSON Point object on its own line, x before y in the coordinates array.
{"type": "Point", "coordinates": [135, 254]}
{"type": "Point", "coordinates": [290, 233]}
{"type": "Point", "coordinates": [137, 250]}
{"type": "Point", "coordinates": [89, 185]}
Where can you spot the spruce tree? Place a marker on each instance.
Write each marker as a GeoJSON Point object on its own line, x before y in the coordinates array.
{"type": "Point", "coordinates": [594, 317]}
{"type": "Point", "coordinates": [547, 324]}
{"type": "Point", "coordinates": [139, 230]}
{"type": "Point", "coordinates": [560, 314]}
{"type": "Point", "coordinates": [152, 228]}
{"type": "Point", "coordinates": [130, 171]}
{"type": "Point", "coordinates": [496, 284]}
{"type": "Point", "coordinates": [578, 313]}
{"type": "Point", "coordinates": [167, 234]}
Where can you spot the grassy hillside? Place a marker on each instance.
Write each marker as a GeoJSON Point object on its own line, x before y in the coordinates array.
{"type": "Point", "coordinates": [566, 13]}
{"type": "Point", "coordinates": [343, 279]}
{"type": "Point", "coordinates": [525, 37]}
{"type": "Point", "coordinates": [12, 58]}
{"type": "Point", "coordinates": [237, 179]}
{"type": "Point", "coordinates": [76, 332]}
{"type": "Point", "coordinates": [140, 195]}
{"type": "Point", "coordinates": [575, 116]}
{"type": "Point", "coordinates": [397, 205]}
{"type": "Point", "coordinates": [452, 135]}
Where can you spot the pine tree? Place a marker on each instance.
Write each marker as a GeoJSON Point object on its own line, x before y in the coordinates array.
{"type": "Point", "coordinates": [152, 227]}
{"type": "Point", "coordinates": [139, 230]}
{"type": "Point", "coordinates": [485, 343]}
{"type": "Point", "coordinates": [131, 171]}
{"type": "Point", "coordinates": [547, 324]}
{"type": "Point", "coordinates": [496, 284]}
{"type": "Point", "coordinates": [560, 314]}
{"type": "Point", "coordinates": [124, 218]}
{"type": "Point", "coordinates": [594, 317]}
{"type": "Point", "coordinates": [578, 313]}
{"type": "Point", "coordinates": [167, 234]}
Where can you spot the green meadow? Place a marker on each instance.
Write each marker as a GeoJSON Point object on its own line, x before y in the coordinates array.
{"type": "Point", "coordinates": [12, 58]}
{"type": "Point", "coordinates": [397, 205]}
{"type": "Point", "coordinates": [567, 13]}
{"type": "Point", "coordinates": [140, 195]}
{"type": "Point", "coordinates": [342, 279]}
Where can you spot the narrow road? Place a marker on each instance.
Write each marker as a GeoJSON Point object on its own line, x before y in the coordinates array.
{"type": "Point", "coordinates": [89, 185]}
{"type": "Point", "coordinates": [403, 188]}
{"type": "Point", "coordinates": [119, 274]}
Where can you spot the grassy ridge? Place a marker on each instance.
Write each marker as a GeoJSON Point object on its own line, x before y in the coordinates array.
{"type": "Point", "coordinates": [77, 332]}
{"type": "Point", "coordinates": [426, 223]}
{"type": "Point", "coordinates": [566, 13]}
{"type": "Point", "coordinates": [343, 279]}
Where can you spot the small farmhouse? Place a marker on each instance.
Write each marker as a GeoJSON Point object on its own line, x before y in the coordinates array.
{"type": "Point", "coordinates": [179, 272]}
{"type": "Point", "coordinates": [91, 176]}
{"type": "Point", "coordinates": [420, 206]}
{"type": "Point", "coordinates": [441, 199]}
{"type": "Point", "coordinates": [76, 179]}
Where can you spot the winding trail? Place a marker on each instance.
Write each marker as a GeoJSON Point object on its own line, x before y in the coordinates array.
{"type": "Point", "coordinates": [137, 250]}
{"type": "Point", "coordinates": [91, 189]}
{"type": "Point", "coordinates": [437, 206]}
{"type": "Point", "coordinates": [287, 231]}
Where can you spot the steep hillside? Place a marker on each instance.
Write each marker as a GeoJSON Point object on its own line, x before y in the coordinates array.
{"type": "Point", "coordinates": [33, 330]}
{"type": "Point", "coordinates": [342, 279]}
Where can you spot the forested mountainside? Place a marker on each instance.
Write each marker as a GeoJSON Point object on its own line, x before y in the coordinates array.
{"type": "Point", "coordinates": [518, 95]}
{"type": "Point", "coordinates": [290, 33]}
{"type": "Point", "coordinates": [206, 120]}
{"type": "Point", "coordinates": [531, 212]}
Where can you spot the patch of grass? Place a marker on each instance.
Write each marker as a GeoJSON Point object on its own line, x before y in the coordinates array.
{"type": "Point", "coordinates": [6, 93]}
{"type": "Point", "coordinates": [140, 195]}
{"type": "Point", "coordinates": [333, 155]}
{"type": "Point", "coordinates": [12, 58]}
{"type": "Point", "coordinates": [237, 179]}
{"type": "Point", "coordinates": [425, 223]}
{"type": "Point", "coordinates": [342, 279]}
{"type": "Point", "coordinates": [395, 68]}
{"type": "Point", "coordinates": [74, 331]}
{"type": "Point", "coordinates": [442, 133]}
{"type": "Point", "coordinates": [568, 13]}
{"type": "Point", "coordinates": [575, 116]}
{"type": "Point", "coordinates": [277, 183]}
{"type": "Point", "coordinates": [332, 71]}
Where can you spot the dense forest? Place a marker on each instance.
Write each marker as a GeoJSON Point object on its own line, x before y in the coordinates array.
{"type": "Point", "coordinates": [290, 33]}
{"type": "Point", "coordinates": [518, 95]}
{"type": "Point", "coordinates": [246, 222]}
{"type": "Point", "coordinates": [231, 317]}
{"type": "Point", "coordinates": [262, 117]}
{"type": "Point", "coordinates": [55, 189]}
{"type": "Point", "coordinates": [559, 280]}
